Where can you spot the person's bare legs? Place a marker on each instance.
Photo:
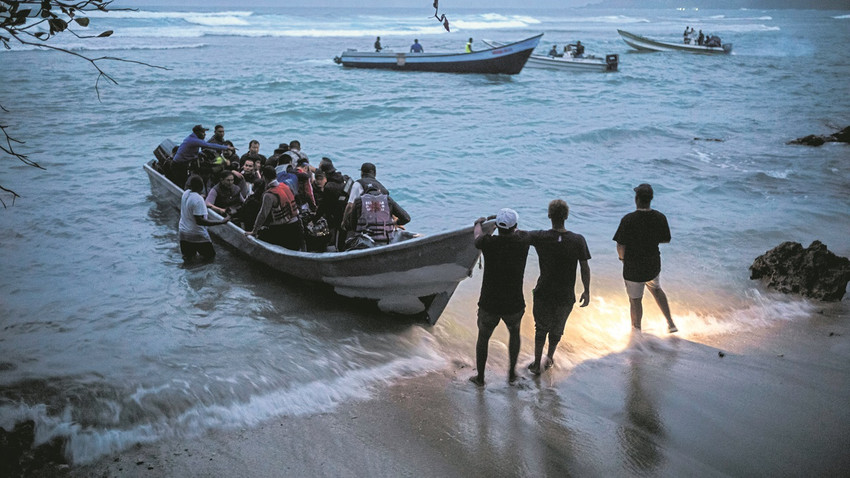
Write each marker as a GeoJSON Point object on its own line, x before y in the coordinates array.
{"type": "Point", "coordinates": [636, 311]}
{"type": "Point", "coordinates": [513, 351]}
{"type": "Point", "coordinates": [661, 300]}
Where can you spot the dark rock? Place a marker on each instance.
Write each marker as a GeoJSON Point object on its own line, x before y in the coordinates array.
{"type": "Point", "coordinates": [842, 136]}
{"type": "Point", "coordinates": [810, 140]}
{"type": "Point", "coordinates": [18, 456]}
{"type": "Point", "coordinates": [814, 272]}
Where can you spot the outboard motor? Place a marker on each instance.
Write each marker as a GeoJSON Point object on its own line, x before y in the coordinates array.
{"type": "Point", "coordinates": [611, 62]}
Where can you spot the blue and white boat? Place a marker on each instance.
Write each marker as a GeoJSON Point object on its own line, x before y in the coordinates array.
{"type": "Point", "coordinates": [507, 59]}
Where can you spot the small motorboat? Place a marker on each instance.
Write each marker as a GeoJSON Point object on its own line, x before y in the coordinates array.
{"type": "Point", "coordinates": [647, 44]}
{"type": "Point", "coordinates": [586, 63]}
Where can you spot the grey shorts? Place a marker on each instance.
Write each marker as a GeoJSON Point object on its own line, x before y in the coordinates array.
{"type": "Point", "coordinates": [551, 317]}
{"type": "Point", "coordinates": [635, 289]}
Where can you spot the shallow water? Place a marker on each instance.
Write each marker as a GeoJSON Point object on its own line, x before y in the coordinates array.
{"type": "Point", "coordinates": [108, 339]}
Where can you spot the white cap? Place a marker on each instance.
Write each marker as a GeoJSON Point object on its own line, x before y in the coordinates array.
{"type": "Point", "coordinates": [507, 218]}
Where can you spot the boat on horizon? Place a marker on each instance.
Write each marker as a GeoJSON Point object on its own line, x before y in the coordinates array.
{"type": "Point", "coordinates": [647, 44]}
{"type": "Point", "coordinates": [588, 63]}
{"type": "Point", "coordinates": [415, 277]}
{"type": "Point", "coordinates": [507, 59]}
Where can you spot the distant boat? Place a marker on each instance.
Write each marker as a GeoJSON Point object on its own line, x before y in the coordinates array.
{"type": "Point", "coordinates": [508, 59]}
{"type": "Point", "coordinates": [414, 277]}
{"type": "Point", "coordinates": [647, 44]}
{"type": "Point", "coordinates": [589, 63]}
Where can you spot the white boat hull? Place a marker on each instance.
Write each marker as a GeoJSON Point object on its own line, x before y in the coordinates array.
{"type": "Point", "coordinates": [647, 44]}
{"type": "Point", "coordinates": [607, 64]}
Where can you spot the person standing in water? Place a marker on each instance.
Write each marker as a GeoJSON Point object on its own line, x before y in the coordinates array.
{"type": "Point", "coordinates": [637, 238]}
{"type": "Point", "coordinates": [501, 288]}
{"type": "Point", "coordinates": [559, 252]}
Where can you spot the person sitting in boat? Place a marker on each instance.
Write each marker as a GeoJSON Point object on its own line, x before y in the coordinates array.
{"type": "Point", "coordinates": [554, 52]}
{"type": "Point", "coordinates": [225, 197]}
{"type": "Point", "coordinates": [372, 212]}
{"type": "Point", "coordinates": [378, 47]}
{"type": "Point", "coordinates": [188, 152]}
{"type": "Point", "coordinates": [700, 38]}
{"type": "Point", "coordinates": [295, 151]}
{"type": "Point", "coordinates": [250, 174]}
{"type": "Point", "coordinates": [469, 46]}
{"type": "Point", "coordinates": [713, 40]}
{"type": "Point", "coordinates": [416, 47]}
{"type": "Point", "coordinates": [254, 155]}
{"type": "Point", "coordinates": [304, 196]}
{"type": "Point", "coordinates": [335, 193]}
{"type": "Point", "coordinates": [278, 222]}
{"type": "Point", "coordinates": [578, 49]}
{"type": "Point", "coordinates": [247, 214]}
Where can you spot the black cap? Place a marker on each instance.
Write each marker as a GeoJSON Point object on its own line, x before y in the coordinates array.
{"type": "Point", "coordinates": [199, 129]}
{"type": "Point", "coordinates": [644, 192]}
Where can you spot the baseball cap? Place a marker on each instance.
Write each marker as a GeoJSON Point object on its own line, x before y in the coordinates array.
{"type": "Point", "coordinates": [506, 218]}
{"type": "Point", "coordinates": [644, 191]}
{"type": "Point", "coordinates": [198, 128]}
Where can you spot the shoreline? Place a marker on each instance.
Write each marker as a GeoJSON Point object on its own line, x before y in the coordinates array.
{"type": "Point", "coordinates": [773, 404]}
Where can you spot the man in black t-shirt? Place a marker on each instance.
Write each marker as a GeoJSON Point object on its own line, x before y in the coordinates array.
{"type": "Point", "coordinates": [637, 238]}
{"type": "Point", "coordinates": [501, 288]}
{"type": "Point", "coordinates": [559, 251]}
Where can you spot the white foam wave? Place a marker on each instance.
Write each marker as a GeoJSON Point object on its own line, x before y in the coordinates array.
{"type": "Point", "coordinates": [217, 21]}
{"type": "Point", "coordinates": [778, 174]}
{"type": "Point", "coordinates": [748, 28]}
{"type": "Point", "coordinates": [145, 14]}
{"type": "Point", "coordinates": [86, 444]}
{"type": "Point", "coordinates": [842, 17]}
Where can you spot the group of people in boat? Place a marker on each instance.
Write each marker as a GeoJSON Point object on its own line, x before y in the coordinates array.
{"type": "Point", "coordinates": [282, 199]}
{"type": "Point", "coordinates": [702, 39]}
{"type": "Point", "coordinates": [575, 50]}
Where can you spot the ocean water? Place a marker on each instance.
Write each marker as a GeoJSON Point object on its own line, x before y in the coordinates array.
{"type": "Point", "coordinates": [108, 339]}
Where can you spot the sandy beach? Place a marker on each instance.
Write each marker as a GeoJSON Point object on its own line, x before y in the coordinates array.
{"type": "Point", "coordinates": [769, 402]}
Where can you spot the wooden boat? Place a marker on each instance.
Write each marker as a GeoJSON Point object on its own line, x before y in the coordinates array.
{"type": "Point", "coordinates": [508, 59]}
{"type": "Point", "coordinates": [646, 44]}
{"type": "Point", "coordinates": [415, 277]}
{"type": "Point", "coordinates": [589, 63]}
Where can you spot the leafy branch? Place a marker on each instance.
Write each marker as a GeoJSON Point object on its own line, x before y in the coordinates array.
{"type": "Point", "coordinates": [34, 23]}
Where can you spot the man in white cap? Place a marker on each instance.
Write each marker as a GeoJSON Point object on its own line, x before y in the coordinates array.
{"type": "Point", "coordinates": [637, 238]}
{"type": "Point", "coordinates": [501, 288]}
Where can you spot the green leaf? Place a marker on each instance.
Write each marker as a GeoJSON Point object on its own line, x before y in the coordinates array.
{"type": "Point", "coordinates": [57, 25]}
{"type": "Point", "coordinates": [105, 34]}
{"type": "Point", "coordinates": [82, 21]}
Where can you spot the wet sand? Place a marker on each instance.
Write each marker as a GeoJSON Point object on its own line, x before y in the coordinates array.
{"type": "Point", "coordinates": [768, 402]}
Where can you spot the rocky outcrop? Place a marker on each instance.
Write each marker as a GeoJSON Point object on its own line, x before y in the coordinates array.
{"type": "Point", "coordinates": [814, 272]}
{"type": "Point", "coordinates": [842, 136]}
{"type": "Point", "coordinates": [19, 456]}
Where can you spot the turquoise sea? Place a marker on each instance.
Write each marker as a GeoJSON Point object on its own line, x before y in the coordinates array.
{"type": "Point", "coordinates": [109, 340]}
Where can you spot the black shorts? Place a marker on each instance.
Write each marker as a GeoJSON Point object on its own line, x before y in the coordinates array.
{"type": "Point", "coordinates": [189, 249]}
{"type": "Point", "coordinates": [551, 316]}
{"type": "Point", "coordinates": [489, 321]}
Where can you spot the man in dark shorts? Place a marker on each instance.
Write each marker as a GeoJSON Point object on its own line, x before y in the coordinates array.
{"type": "Point", "coordinates": [501, 288]}
{"type": "Point", "coordinates": [637, 238]}
{"type": "Point", "coordinates": [194, 238]}
{"type": "Point", "coordinates": [559, 251]}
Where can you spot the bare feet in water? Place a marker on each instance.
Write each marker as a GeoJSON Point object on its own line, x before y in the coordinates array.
{"type": "Point", "coordinates": [479, 381]}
